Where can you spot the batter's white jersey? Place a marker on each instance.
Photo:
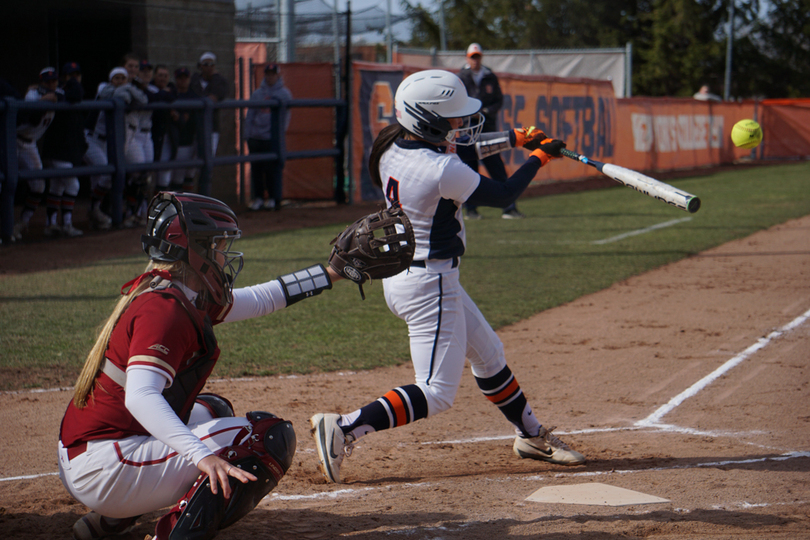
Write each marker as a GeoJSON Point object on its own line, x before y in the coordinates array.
{"type": "Point", "coordinates": [430, 185]}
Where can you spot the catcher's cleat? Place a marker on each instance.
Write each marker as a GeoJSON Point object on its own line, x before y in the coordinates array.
{"type": "Point", "coordinates": [332, 445]}
{"type": "Point", "coordinates": [547, 447]}
{"type": "Point", "coordinates": [94, 525]}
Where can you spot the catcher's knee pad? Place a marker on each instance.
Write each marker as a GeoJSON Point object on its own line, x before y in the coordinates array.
{"type": "Point", "coordinates": [265, 449]}
{"type": "Point", "coordinates": [218, 406]}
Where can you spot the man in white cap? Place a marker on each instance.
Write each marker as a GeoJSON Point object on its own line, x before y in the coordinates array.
{"type": "Point", "coordinates": [208, 83]}
{"type": "Point", "coordinates": [482, 84]}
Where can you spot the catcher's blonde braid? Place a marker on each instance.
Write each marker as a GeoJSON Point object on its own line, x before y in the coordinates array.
{"type": "Point", "coordinates": [95, 359]}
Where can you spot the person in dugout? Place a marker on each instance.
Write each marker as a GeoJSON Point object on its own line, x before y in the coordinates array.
{"type": "Point", "coordinates": [138, 435]}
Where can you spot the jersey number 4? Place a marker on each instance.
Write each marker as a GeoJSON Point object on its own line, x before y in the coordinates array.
{"type": "Point", "coordinates": [392, 192]}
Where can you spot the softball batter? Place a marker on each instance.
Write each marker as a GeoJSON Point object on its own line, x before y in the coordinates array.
{"type": "Point", "coordinates": [138, 435]}
{"type": "Point", "coordinates": [414, 163]}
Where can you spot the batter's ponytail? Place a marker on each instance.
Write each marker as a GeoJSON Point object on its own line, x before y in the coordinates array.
{"type": "Point", "coordinates": [95, 359]}
{"type": "Point", "coordinates": [383, 142]}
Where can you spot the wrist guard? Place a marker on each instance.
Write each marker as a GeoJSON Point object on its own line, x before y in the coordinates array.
{"type": "Point", "coordinates": [304, 283]}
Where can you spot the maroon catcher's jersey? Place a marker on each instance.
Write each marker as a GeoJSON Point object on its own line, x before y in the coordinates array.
{"type": "Point", "coordinates": [160, 329]}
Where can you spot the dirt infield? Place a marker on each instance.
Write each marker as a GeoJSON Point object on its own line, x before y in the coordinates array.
{"type": "Point", "coordinates": [690, 383]}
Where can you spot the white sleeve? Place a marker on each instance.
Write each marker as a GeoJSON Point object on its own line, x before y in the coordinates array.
{"type": "Point", "coordinates": [255, 301]}
{"type": "Point", "coordinates": [458, 181]}
{"type": "Point", "coordinates": [145, 401]}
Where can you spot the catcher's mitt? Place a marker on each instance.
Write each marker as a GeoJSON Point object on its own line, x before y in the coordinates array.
{"type": "Point", "coordinates": [360, 256]}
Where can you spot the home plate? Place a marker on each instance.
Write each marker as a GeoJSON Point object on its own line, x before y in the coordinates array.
{"type": "Point", "coordinates": [593, 494]}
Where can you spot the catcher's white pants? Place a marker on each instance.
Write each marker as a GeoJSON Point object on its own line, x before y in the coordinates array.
{"type": "Point", "coordinates": [444, 326]}
{"type": "Point", "coordinates": [121, 478]}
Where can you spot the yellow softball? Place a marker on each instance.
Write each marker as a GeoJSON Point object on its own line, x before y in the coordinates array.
{"type": "Point", "coordinates": [746, 134]}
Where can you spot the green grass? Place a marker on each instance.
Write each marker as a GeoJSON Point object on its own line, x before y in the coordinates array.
{"type": "Point", "coordinates": [512, 269]}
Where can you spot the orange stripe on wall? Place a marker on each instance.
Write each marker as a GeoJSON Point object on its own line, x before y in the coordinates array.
{"type": "Point", "coordinates": [400, 417]}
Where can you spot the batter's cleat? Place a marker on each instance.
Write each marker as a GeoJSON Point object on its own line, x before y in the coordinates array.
{"type": "Point", "coordinates": [547, 447]}
{"type": "Point", "coordinates": [94, 525]}
{"type": "Point", "coordinates": [331, 443]}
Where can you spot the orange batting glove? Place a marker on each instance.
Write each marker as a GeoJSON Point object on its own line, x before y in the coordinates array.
{"type": "Point", "coordinates": [527, 135]}
{"type": "Point", "coordinates": [548, 149]}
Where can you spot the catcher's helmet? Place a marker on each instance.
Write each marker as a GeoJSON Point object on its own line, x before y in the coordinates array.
{"type": "Point", "coordinates": [198, 231]}
{"type": "Point", "coordinates": [425, 100]}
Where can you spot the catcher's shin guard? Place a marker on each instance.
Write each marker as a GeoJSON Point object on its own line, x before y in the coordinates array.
{"type": "Point", "coordinates": [265, 449]}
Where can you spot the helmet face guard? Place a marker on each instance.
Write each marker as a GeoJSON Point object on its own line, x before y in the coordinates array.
{"type": "Point", "coordinates": [200, 232]}
{"type": "Point", "coordinates": [425, 101]}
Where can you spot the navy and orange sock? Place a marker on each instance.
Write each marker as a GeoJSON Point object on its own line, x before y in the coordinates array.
{"type": "Point", "coordinates": [397, 407]}
{"type": "Point", "coordinates": [504, 391]}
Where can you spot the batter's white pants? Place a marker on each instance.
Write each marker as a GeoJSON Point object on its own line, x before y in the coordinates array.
{"type": "Point", "coordinates": [444, 326]}
{"type": "Point", "coordinates": [128, 477]}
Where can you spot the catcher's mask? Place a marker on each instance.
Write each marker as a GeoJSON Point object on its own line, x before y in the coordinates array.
{"type": "Point", "coordinates": [425, 100]}
{"type": "Point", "coordinates": [200, 232]}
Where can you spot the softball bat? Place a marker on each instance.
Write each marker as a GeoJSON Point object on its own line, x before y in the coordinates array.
{"type": "Point", "coordinates": [641, 183]}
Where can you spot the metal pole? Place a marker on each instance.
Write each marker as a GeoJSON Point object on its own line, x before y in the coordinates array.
{"type": "Point", "coordinates": [628, 71]}
{"type": "Point", "coordinates": [442, 32]}
{"type": "Point", "coordinates": [389, 37]}
{"type": "Point", "coordinates": [348, 117]}
{"type": "Point", "coordinates": [242, 198]}
{"type": "Point", "coordinates": [729, 47]}
{"type": "Point", "coordinates": [9, 165]}
{"type": "Point", "coordinates": [116, 136]}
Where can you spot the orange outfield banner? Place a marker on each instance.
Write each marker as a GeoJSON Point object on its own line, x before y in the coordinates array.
{"type": "Point", "coordinates": [786, 128]}
{"type": "Point", "coordinates": [644, 134]}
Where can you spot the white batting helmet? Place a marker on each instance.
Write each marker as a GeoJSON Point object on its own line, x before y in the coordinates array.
{"type": "Point", "coordinates": [425, 100]}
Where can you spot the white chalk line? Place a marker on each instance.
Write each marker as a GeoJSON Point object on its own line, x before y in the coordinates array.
{"type": "Point", "coordinates": [641, 231]}
{"type": "Point", "coordinates": [761, 343]}
{"type": "Point", "coordinates": [603, 241]}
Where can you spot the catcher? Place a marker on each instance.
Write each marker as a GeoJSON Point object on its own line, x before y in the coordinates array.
{"type": "Point", "coordinates": [138, 435]}
{"type": "Point", "coordinates": [414, 164]}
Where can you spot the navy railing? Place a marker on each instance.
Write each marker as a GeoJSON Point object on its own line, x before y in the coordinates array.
{"type": "Point", "coordinates": [117, 166]}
